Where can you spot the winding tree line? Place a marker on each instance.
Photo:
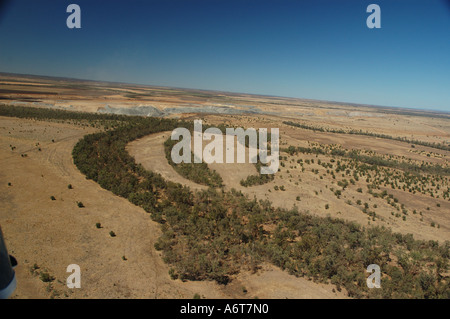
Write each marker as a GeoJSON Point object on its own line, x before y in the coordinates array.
{"type": "Point", "coordinates": [439, 146]}
{"type": "Point", "coordinates": [373, 160]}
{"type": "Point", "coordinates": [55, 114]}
{"type": "Point", "coordinates": [197, 172]}
{"type": "Point", "coordinates": [214, 234]}
{"type": "Point", "coordinates": [200, 172]}
{"type": "Point", "coordinates": [258, 179]}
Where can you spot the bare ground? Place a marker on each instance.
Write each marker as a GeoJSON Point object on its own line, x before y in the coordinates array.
{"type": "Point", "coordinates": [54, 234]}
{"type": "Point", "coordinates": [149, 151]}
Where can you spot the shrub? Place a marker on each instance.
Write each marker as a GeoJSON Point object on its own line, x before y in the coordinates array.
{"type": "Point", "coordinates": [46, 277]}
{"type": "Point", "coordinates": [173, 275]}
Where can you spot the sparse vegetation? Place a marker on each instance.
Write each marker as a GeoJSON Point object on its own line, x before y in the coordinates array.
{"type": "Point", "coordinates": [46, 277]}
{"type": "Point", "coordinates": [214, 234]}
{"type": "Point", "coordinates": [231, 224]}
{"type": "Point", "coordinates": [360, 132]}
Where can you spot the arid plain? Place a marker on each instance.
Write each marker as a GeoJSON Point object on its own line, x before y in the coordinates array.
{"type": "Point", "coordinates": [46, 230]}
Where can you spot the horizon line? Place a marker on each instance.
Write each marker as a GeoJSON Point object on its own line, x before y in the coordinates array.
{"type": "Point", "coordinates": [237, 93]}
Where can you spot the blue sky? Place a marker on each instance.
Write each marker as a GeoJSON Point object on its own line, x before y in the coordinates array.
{"type": "Point", "coordinates": [313, 49]}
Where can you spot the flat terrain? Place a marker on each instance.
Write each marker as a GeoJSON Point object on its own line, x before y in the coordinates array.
{"type": "Point", "coordinates": [53, 234]}
{"type": "Point", "coordinates": [47, 235]}
{"type": "Point", "coordinates": [149, 151]}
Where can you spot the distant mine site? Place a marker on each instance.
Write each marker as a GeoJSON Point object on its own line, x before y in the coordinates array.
{"type": "Point", "coordinates": [87, 179]}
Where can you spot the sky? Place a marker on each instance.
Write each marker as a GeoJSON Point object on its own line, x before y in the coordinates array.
{"type": "Point", "coordinates": [313, 49]}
